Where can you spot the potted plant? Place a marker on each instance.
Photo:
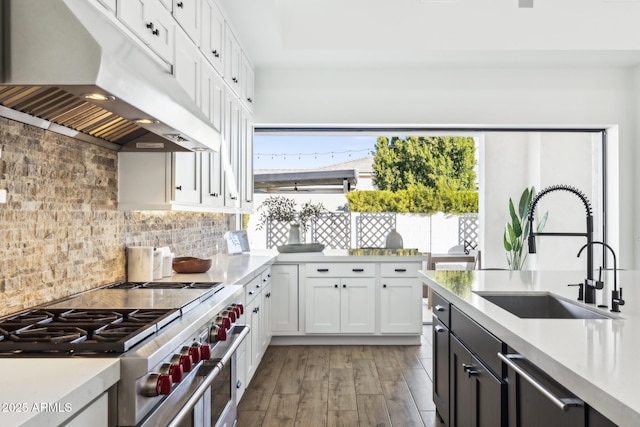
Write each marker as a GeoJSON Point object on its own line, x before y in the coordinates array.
{"type": "Point", "coordinates": [517, 231]}
{"type": "Point", "coordinates": [283, 209]}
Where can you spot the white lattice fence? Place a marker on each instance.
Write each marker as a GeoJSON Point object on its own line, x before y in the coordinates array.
{"type": "Point", "coordinates": [333, 230]}
{"type": "Point", "coordinates": [372, 229]}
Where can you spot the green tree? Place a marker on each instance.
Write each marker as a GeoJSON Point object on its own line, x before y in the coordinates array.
{"type": "Point", "coordinates": [437, 162]}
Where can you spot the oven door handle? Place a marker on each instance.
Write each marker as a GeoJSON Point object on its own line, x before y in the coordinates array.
{"type": "Point", "coordinates": [202, 388]}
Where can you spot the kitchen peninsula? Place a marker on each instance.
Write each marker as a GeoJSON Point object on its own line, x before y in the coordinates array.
{"type": "Point", "coordinates": [363, 296]}
{"type": "Point", "coordinates": [593, 359]}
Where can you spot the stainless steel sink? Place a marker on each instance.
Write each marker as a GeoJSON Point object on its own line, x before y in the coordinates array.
{"type": "Point", "coordinates": [541, 306]}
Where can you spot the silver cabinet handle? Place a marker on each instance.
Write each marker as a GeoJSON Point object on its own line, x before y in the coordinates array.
{"type": "Point", "coordinates": [439, 328]}
{"type": "Point", "coordinates": [561, 402]}
{"type": "Point", "coordinates": [439, 308]}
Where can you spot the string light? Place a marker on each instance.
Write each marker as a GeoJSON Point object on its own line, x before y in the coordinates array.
{"type": "Point", "coordinates": [314, 154]}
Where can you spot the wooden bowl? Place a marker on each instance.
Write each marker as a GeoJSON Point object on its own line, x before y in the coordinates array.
{"type": "Point", "coordinates": [187, 264]}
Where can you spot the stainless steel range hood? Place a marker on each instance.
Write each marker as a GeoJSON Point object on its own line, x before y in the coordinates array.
{"type": "Point", "coordinates": [56, 52]}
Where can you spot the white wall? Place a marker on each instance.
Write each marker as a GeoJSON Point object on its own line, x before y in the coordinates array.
{"type": "Point", "coordinates": [523, 97]}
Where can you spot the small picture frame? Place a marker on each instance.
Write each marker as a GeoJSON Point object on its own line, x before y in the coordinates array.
{"type": "Point", "coordinates": [237, 242]}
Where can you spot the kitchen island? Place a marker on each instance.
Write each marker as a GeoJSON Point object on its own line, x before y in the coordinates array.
{"type": "Point", "coordinates": [594, 359]}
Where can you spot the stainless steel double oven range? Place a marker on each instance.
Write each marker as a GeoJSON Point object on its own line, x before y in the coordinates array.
{"type": "Point", "coordinates": [176, 343]}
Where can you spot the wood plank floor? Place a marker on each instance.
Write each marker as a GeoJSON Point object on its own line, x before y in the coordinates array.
{"type": "Point", "coordinates": [307, 386]}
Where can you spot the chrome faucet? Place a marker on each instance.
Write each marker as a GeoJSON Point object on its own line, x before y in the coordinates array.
{"type": "Point", "coordinates": [616, 295]}
{"type": "Point", "coordinates": [590, 285]}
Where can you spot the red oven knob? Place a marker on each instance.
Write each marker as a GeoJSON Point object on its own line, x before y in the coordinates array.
{"type": "Point", "coordinates": [240, 307]}
{"type": "Point", "coordinates": [222, 334]}
{"type": "Point", "coordinates": [186, 362]}
{"type": "Point", "coordinates": [226, 323]}
{"type": "Point", "coordinates": [236, 310]}
{"type": "Point", "coordinates": [229, 314]}
{"type": "Point", "coordinates": [205, 351]}
{"type": "Point", "coordinates": [164, 384]}
{"type": "Point", "coordinates": [174, 370]}
{"type": "Point", "coordinates": [194, 351]}
{"type": "Point", "coordinates": [156, 385]}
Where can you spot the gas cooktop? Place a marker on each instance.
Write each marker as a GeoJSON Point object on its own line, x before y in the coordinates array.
{"type": "Point", "coordinates": [166, 285]}
{"type": "Point", "coordinates": [87, 331]}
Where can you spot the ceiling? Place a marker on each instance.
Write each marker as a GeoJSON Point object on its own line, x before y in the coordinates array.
{"type": "Point", "coordinates": [418, 33]}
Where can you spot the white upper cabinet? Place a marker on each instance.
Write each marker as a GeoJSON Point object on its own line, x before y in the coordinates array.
{"type": "Point", "coordinates": [187, 66]}
{"type": "Point", "coordinates": [151, 22]}
{"type": "Point", "coordinates": [232, 62]}
{"type": "Point", "coordinates": [187, 14]}
{"type": "Point", "coordinates": [212, 38]}
{"type": "Point", "coordinates": [246, 161]}
{"type": "Point", "coordinates": [246, 82]}
{"type": "Point", "coordinates": [212, 97]}
{"type": "Point", "coordinates": [186, 171]}
{"type": "Point", "coordinates": [212, 180]}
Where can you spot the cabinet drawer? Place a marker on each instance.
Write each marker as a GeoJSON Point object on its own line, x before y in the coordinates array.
{"type": "Point", "coordinates": [340, 270]}
{"type": "Point", "coordinates": [441, 309]}
{"type": "Point", "coordinates": [399, 269]}
{"type": "Point", "coordinates": [478, 340]}
{"type": "Point", "coordinates": [265, 277]}
{"type": "Point", "coordinates": [252, 289]}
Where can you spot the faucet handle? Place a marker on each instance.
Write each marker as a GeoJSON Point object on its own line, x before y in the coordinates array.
{"type": "Point", "coordinates": [580, 290]}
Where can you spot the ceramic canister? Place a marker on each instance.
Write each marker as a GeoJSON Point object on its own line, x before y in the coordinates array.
{"type": "Point", "coordinates": [140, 263]}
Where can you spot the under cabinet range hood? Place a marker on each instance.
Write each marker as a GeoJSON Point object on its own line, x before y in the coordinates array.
{"type": "Point", "coordinates": [70, 67]}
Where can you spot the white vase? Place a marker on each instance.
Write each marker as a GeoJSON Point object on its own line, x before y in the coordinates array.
{"type": "Point", "coordinates": [394, 240]}
{"type": "Point", "coordinates": [294, 234]}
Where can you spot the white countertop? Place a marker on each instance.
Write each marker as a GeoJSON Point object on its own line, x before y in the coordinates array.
{"type": "Point", "coordinates": [229, 269]}
{"type": "Point", "coordinates": [45, 392]}
{"type": "Point", "coordinates": [596, 359]}
{"type": "Point", "coordinates": [342, 255]}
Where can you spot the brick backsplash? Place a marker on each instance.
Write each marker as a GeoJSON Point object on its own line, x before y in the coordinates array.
{"type": "Point", "coordinates": [60, 230]}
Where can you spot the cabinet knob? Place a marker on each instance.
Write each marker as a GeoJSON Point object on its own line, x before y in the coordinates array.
{"type": "Point", "coordinates": [439, 329]}
{"type": "Point", "coordinates": [156, 32]}
{"type": "Point", "coordinates": [179, 188]}
{"type": "Point", "coordinates": [250, 100]}
{"type": "Point", "coordinates": [268, 295]}
{"type": "Point", "coordinates": [335, 286]}
{"type": "Point", "coordinates": [257, 309]}
{"type": "Point", "coordinates": [215, 53]}
{"type": "Point", "coordinates": [439, 308]}
{"type": "Point", "coordinates": [344, 286]}
{"type": "Point", "coordinates": [180, 5]}
{"type": "Point", "coordinates": [150, 26]}
{"type": "Point", "coordinates": [213, 194]}
{"type": "Point", "coordinates": [250, 292]}
{"type": "Point", "coordinates": [384, 286]}
{"type": "Point", "coordinates": [235, 79]}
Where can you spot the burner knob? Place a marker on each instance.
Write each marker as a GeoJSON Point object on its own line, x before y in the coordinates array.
{"type": "Point", "coordinates": [156, 385]}
{"type": "Point", "coordinates": [205, 351]}
{"type": "Point", "coordinates": [194, 351]}
{"type": "Point", "coordinates": [173, 370]}
{"type": "Point", "coordinates": [240, 306]}
{"type": "Point", "coordinates": [223, 322]}
{"type": "Point", "coordinates": [229, 314]}
{"type": "Point", "coordinates": [236, 310]}
{"type": "Point", "coordinates": [221, 334]}
{"type": "Point", "coordinates": [185, 360]}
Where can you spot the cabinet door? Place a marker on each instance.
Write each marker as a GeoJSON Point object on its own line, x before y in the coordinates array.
{"type": "Point", "coordinates": [246, 161]}
{"type": "Point", "coordinates": [322, 305]}
{"type": "Point", "coordinates": [253, 341]}
{"type": "Point", "coordinates": [400, 305]}
{"type": "Point", "coordinates": [265, 319]}
{"type": "Point", "coordinates": [186, 169]}
{"type": "Point", "coordinates": [187, 67]}
{"type": "Point", "coordinates": [529, 407]}
{"type": "Point", "coordinates": [232, 151]}
{"type": "Point", "coordinates": [212, 97]}
{"type": "Point", "coordinates": [212, 40]}
{"type": "Point", "coordinates": [187, 14]}
{"type": "Point", "coordinates": [441, 369]}
{"type": "Point", "coordinates": [460, 399]}
{"type": "Point", "coordinates": [233, 59]}
{"type": "Point", "coordinates": [284, 287]}
{"type": "Point", "coordinates": [246, 79]}
{"type": "Point", "coordinates": [357, 305]}
{"type": "Point", "coordinates": [151, 22]}
{"type": "Point", "coordinates": [212, 180]}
